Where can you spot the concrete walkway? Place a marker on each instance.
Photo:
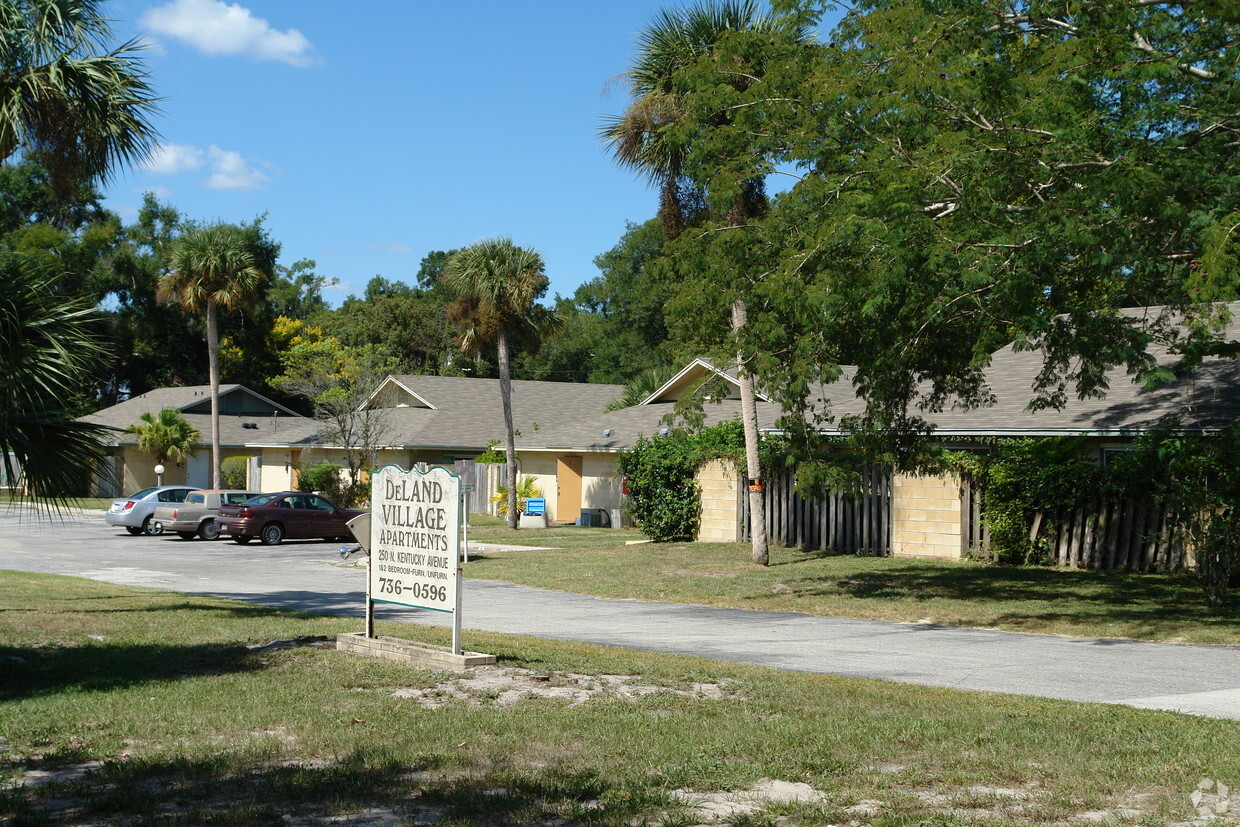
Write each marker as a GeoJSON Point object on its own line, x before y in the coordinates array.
{"type": "Point", "coordinates": [1202, 680]}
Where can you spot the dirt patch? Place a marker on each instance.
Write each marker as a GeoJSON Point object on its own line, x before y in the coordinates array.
{"type": "Point", "coordinates": [723, 806]}
{"type": "Point", "coordinates": [504, 686]}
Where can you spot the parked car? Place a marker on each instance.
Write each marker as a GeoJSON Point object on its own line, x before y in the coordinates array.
{"type": "Point", "coordinates": [288, 515]}
{"type": "Point", "coordinates": [135, 512]}
{"type": "Point", "coordinates": [196, 516]}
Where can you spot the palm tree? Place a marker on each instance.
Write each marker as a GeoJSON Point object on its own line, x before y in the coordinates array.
{"type": "Point", "coordinates": [641, 386]}
{"type": "Point", "coordinates": [212, 267]}
{"type": "Point", "coordinates": [48, 342]}
{"type": "Point", "coordinates": [641, 139]}
{"type": "Point", "coordinates": [497, 284]}
{"type": "Point", "coordinates": [81, 107]}
{"type": "Point", "coordinates": [166, 435]}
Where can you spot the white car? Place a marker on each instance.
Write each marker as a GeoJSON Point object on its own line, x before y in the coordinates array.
{"type": "Point", "coordinates": [135, 511]}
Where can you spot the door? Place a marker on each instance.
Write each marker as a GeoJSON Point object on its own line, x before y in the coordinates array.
{"type": "Point", "coordinates": [198, 469]}
{"type": "Point", "coordinates": [568, 488]}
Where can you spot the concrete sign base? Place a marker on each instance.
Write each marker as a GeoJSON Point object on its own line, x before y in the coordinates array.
{"type": "Point", "coordinates": [412, 653]}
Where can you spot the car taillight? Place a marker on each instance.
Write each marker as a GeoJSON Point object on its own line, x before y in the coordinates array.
{"type": "Point", "coordinates": [244, 512]}
{"type": "Point", "coordinates": [128, 506]}
{"type": "Point", "coordinates": [174, 513]}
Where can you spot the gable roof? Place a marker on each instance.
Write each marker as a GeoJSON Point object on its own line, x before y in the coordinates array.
{"type": "Point", "coordinates": [246, 417]}
{"type": "Point", "coordinates": [1207, 399]}
{"type": "Point", "coordinates": [460, 413]}
{"type": "Point", "coordinates": [691, 375]}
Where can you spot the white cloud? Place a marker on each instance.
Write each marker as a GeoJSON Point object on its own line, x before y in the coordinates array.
{"type": "Point", "coordinates": [218, 28]}
{"type": "Point", "coordinates": [169, 159]}
{"type": "Point", "coordinates": [229, 171]}
{"type": "Point", "coordinates": [391, 248]}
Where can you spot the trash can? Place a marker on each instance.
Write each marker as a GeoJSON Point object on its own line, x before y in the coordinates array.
{"type": "Point", "coordinates": [594, 518]}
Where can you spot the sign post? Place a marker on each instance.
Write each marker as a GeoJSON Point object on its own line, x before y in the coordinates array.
{"type": "Point", "coordinates": [415, 541]}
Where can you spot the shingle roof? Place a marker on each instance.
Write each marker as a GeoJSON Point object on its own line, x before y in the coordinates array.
{"type": "Point", "coordinates": [1208, 398]}
{"type": "Point", "coordinates": [284, 428]}
{"type": "Point", "coordinates": [468, 412]}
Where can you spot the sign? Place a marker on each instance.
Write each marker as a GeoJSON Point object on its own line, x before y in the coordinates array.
{"type": "Point", "coordinates": [415, 537]}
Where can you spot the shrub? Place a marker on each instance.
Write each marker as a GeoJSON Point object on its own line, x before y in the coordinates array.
{"type": "Point", "coordinates": [233, 472]}
{"type": "Point", "coordinates": [660, 477]}
{"type": "Point", "coordinates": [324, 477]}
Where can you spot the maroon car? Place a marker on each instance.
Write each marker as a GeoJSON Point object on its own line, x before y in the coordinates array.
{"type": "Point", "coordinates": [293, 515]}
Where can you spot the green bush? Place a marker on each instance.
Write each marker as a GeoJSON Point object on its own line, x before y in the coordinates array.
{"type": "Point", "coordinates": [663, 496]}
{"type": "Point", "coordinates": [660, 476]}
{"type": "Point", "coordinates": [325, 478]}
{"type": "Point", "coordinates": [233, 472]}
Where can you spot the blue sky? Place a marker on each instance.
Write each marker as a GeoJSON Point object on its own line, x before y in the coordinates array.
{"type": "Point", "coordinates": [374, 131]}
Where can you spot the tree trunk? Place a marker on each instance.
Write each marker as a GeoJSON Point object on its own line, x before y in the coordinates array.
{"type": "Point", "coordinates": [213, 369]}
{"type": "Point", "coordinates": [749, 417]}
{"type": "Point", "coordinates": [510, 447]}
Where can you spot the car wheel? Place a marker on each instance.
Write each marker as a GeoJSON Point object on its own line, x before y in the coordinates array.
{"type": "Point", "coordinates": [242, 539]}
{"type": "Point", "coordinates": [209, 530]}
{"type": "Point", "coordinates": [132, 530]}
{"type": "Point", "coordinates": [152, 528]}
{"type": "Point", "coordinates": [186, 535]}
{"type": "Point", "coordinates": [272, 534]}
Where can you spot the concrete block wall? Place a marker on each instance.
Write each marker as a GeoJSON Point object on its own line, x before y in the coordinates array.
{"type": "Point", "coordinates": [718, 518]}
{"type": "Point", "coordinates": [925, 516]}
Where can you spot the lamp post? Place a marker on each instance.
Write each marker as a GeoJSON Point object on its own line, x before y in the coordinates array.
{"type": "Point", "coordinates": [159, 475]}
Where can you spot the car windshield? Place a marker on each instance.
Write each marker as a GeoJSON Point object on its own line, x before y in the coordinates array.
{"type": "Point", "coordinates": [236, 499]}
{"type": "Point", "coordinates": [141, 494]}
{"type": "Point", "coordinates": [196, 498]}
{"type": "Point", "coordinates": [261, 499]}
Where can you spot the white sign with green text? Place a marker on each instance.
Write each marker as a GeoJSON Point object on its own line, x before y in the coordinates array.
{"type": "Point", "coordinates": [415, 538]}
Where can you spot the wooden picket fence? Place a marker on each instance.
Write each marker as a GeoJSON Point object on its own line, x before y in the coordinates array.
{"type": "Point", "coordinates": [1130, 534]}
{"type": "Point", "coordinates": [825, 520]}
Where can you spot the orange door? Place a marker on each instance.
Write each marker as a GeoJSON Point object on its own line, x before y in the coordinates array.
{"type": "Point", "coordinates": [568, 488]}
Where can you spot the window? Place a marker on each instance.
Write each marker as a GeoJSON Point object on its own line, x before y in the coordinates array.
{"type": "Point", "coordinates": [1109, 455]}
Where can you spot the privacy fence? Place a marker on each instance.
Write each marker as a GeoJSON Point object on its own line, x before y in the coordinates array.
{"type": "Point", "coordinates": [1130, 534]}
{"type": "Point", "coordinates": [848, 524]}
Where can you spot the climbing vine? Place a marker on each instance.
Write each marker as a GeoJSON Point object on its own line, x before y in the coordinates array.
{"type": "Point", "coordinates": [1193, 476]}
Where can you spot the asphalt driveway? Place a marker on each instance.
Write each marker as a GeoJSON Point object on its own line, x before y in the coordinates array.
{"type": "Point", "coordinates": [1202, 680]}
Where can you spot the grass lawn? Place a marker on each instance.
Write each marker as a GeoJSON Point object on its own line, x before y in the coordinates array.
{"type": "Point", "coordinates": [1029, 599]}
{"type": "Point", "coordinates": [137, 706]}
{"type": "Point", "coordinates": [88, 503]}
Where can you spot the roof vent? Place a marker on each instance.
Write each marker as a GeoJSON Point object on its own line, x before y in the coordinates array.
{"type": "Point", "coordinates": [253, 426]}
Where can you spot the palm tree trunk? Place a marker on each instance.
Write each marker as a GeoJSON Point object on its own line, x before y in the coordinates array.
{"type": "Point", "coordinates": [213, 368]}
{"type": "Point", "coordinates": [510, 440]}
{"type": "Point", "coordinates": [749, 418]}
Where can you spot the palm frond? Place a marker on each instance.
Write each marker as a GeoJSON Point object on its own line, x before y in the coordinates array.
{"type": "Point", "coordinates": [85, 108]}
{"type": "Point", "coordinates": [48, 343]}
{"type": "Point", "coordinates": [211, 265]}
